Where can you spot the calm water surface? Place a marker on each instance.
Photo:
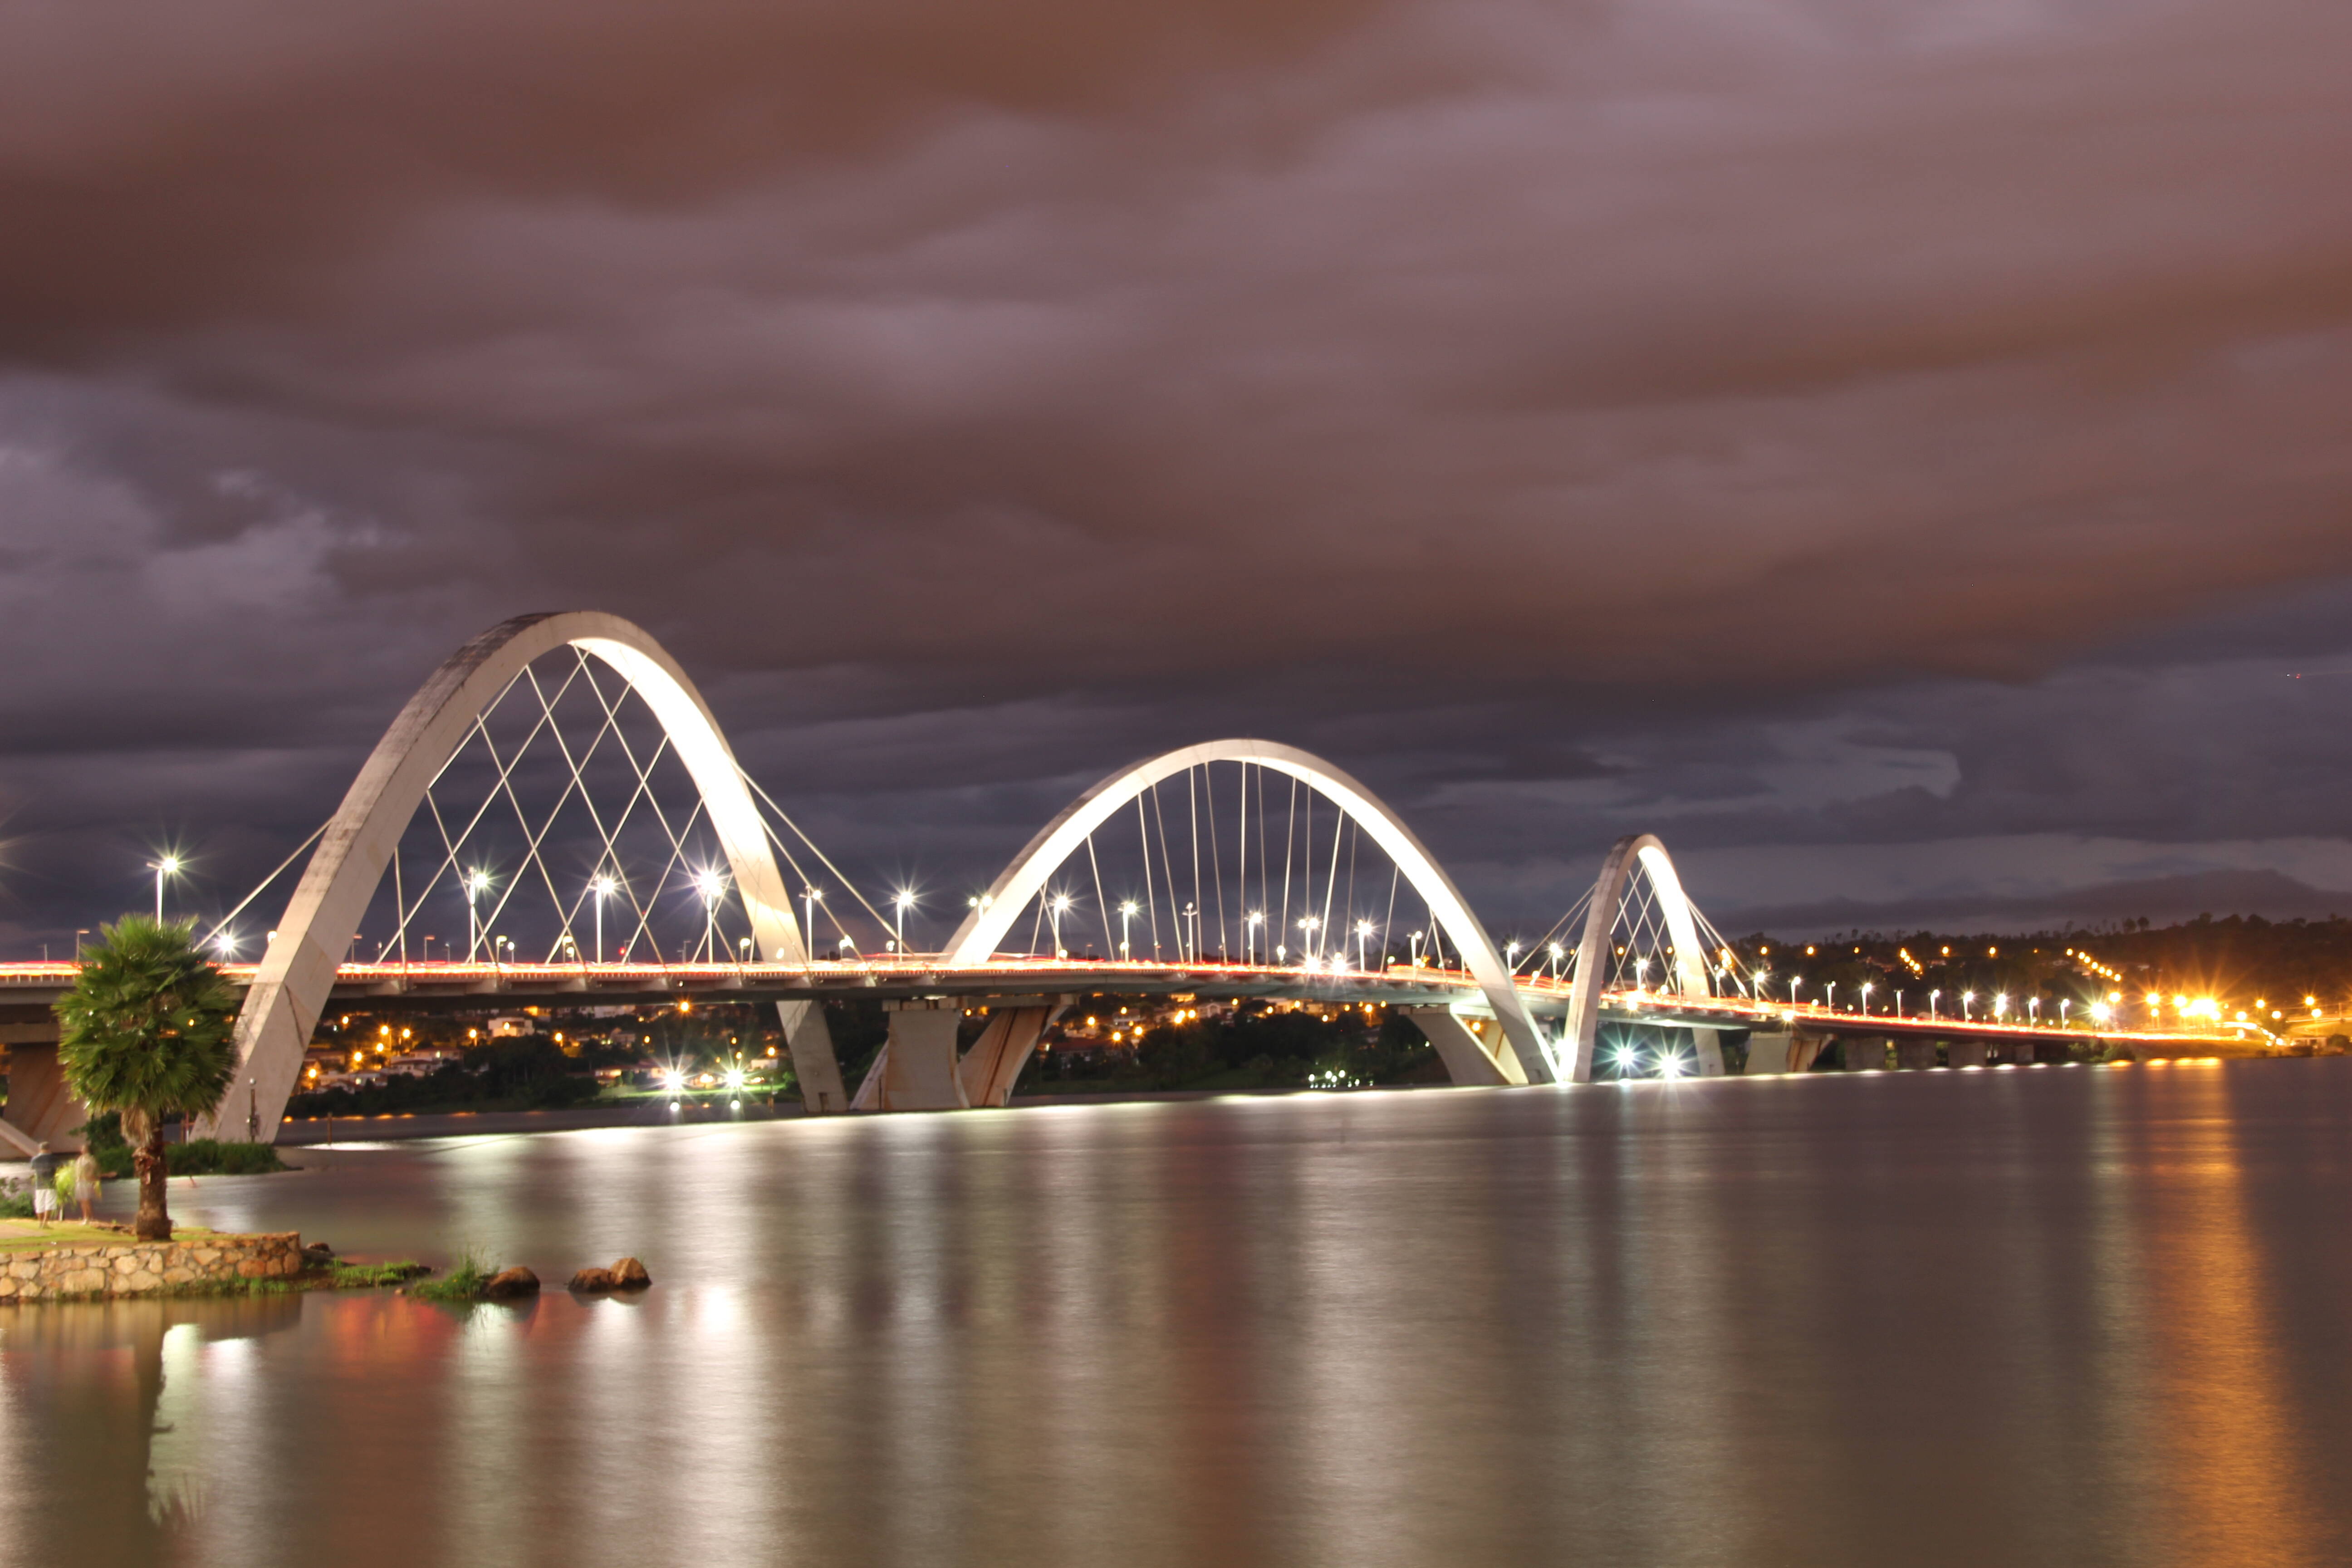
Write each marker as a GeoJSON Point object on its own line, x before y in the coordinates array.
{"type": "Point", "coordinates": [2057, 1316]}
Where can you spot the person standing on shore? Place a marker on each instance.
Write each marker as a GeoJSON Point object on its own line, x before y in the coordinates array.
{"type": "Point", "coordinates": [45, 1192]}
{"type": "Point", "coordinates": [85, 1182]}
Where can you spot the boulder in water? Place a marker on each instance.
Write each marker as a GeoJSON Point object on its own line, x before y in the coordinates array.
{"type": "Point", "coordinates": [507, 1283]}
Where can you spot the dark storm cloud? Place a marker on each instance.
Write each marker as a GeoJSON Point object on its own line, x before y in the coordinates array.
{"type": "Point", "coordinates": [1568, 411]}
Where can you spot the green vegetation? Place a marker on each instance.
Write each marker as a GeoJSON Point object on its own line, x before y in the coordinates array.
{"type": "Point", "coordinates": [464, 1282]}
{"type": "Point", "coordinates": [146, 1033]}
{"type": "Point", "coordinates": [1258, 1046]}
{"type": "Point", "coordinates": [196, 1157]}
{"type": "Point", "coordinates": [364, 1275]}
{"type": "Point", "coordinates": [17, 1205]}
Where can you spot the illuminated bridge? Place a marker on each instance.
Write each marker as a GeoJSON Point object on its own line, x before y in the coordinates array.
{"type": "Point", "coordinates": [559, 800]}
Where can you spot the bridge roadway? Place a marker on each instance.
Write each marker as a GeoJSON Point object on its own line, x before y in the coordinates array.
{"type": "Point", "coordinates": [26, 990]}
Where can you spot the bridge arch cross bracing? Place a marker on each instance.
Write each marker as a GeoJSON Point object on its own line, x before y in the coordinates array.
{"type": "Point", "coordinates": [1646, 853]}
{"type": "Point", "coordinates": [291, 987]}
{"type": "Point", "coordinates": [1025, 878]}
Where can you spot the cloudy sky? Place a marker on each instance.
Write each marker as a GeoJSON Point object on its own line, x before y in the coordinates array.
{"type": "Point", "coordinates": [1900, 452]}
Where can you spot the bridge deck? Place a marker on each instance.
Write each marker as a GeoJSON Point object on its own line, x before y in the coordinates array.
{"type": "Point", "coordinates": [449, 986]}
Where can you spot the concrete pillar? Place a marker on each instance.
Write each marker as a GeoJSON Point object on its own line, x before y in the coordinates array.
{"type": "Point", "coordinates": [1710, 1043]}
{"type": "Point", "coordinates": [993, 1064]}
{"type": "Point", "coordinates": [1915, 1055]}
{"type": "Point", "coordinates": [916, 1068]}
{"type": "Point", "coordinates": [1465, 1054]}
{"type": "Point", "coordinates": [813, 1064]}
{"type": "Point", "coordinates": [40, 1108]}
{"type": "Point", "coordinates": [2019, 1051]}
{"type": "Point", "coordinates": [1863, 1053]}
{"type": "Point", "coordinates": [1770, 1053]}
{"type": "Point", "coordinates": [1964, 1052]}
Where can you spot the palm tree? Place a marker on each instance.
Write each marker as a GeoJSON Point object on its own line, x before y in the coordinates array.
{"type": "Point", "coordinates": [146, 1032]}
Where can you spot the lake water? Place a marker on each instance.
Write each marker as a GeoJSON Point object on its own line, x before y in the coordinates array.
{"type": "Point", "coordinates": [2063, 1316]}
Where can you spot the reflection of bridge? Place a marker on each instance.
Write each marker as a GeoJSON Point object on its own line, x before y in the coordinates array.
{"type": "Point", "coordinates": [1494, 1017]}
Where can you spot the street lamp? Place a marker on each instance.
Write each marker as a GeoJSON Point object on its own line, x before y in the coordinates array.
{"type": "Point", "coordinates": [1830, 997]}
{"type": "Point", "coordinates": [1310, 925]}
{"type": "Point", "coordinates": [1511, 955]}
{"type": "Point", "coordinates": [1192, 934]}
{"type": "Point", "coordinates": [1966, 998]}
{"type": "Point", "coordinates": [169, 866]}
{"type": "Point", "coordinates": [1932, 996]}
{"type": "Point", "coordinates": [898, 908]}
{"type": "Point", "coordinates": [1557, 953]}
{"type": "Point", "coordinates": [1127, 912]}
{"type": "Point", "coordinates": [1250, 922]}
{"type": "Point", "coordinates": [811, 896]}
{"type": "Point", "coordinates": [1867, 987]}
{"type": "Point", "coordinates": [708, 883]}
{"type": "Point", "coordinates": [1364, 934]}
{"type": "Point", "coordinates": [2000, 1005]}
{"type": "Point", "coordinates": [2033, 1009]}
{"type": "Point", "coordinates": [602, 886]}
{"type": "Point", "coordinates": [1059, 907]}
{"type": "Point", "coordinates": [477, 882]}
{"type": "Point", "coordinates": [1794, 981]}
{"type": "Point", "coordinates": [1415, 938]}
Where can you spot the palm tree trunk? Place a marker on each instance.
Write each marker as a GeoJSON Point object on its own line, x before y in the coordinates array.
{"type": "Point", "coordinates": [144, 1134]}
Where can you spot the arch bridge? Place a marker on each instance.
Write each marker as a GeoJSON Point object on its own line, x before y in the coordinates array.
{"type": "Point", "coordinates": [1497, 1017]}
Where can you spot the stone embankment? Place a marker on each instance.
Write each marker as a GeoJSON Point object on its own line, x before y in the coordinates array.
{"type": "Point", "coordinates": [98, 1269]}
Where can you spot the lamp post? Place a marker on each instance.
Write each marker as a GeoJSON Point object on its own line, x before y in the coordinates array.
{"type": "Point", "coordinates": [1127, 911]}
{"type": "Point", "coordinates": [1364, 935]}
{"type": "Point", "coordinates": [1557, 953]}
{"type": "Point", "coordinates": [1310, 925]}
{"type": "Point", "coordinates": [1968, 999]}
{"type": "Point", "coordinates": [1867, 987]}
{"type": "Point", "coordinates": [1192, 935]}
{"type": "Point", "coordinates": [477, 882]}
{"type": "Point", "coordinates": [1060, 904]}
{"type": "Point", "coordinates": [708, 884]}
{"type": "Point", "coordinates": [811, 896]}
{"type": "Point", "coordinates": [1250, 922]}
{"type": "Point", "coordinates": [1830, 997]}
{"type": "Point", "coordinates": [898, 908]}
{"type": "Point", "coordinates": [1415, 937]}
{"type": "Point", "coordinates": [1932, 996]}
{"type": "Point", "coordinates": [602, 886]}
{"type": "Point", "coordinates": [1794, 981]}
{"type": "Point", "coordinates": [169, 866]}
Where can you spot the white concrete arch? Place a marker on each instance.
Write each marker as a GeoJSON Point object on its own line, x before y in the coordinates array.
{"type": "Point", "coordinates": [290, 989]}
{"type": "Point", "coordinates": [1688, 977]}
{"type": "Point", "coordinates": [1523, 1062]}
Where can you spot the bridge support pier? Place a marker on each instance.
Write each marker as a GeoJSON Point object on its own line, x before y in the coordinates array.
{"type": "Point", "coordinates": [1467, 1055]}
{"type": "Point", "coordinates": [916, 1068]}
{"type": "Point", "coordinates": [2022, 1052]}
{"type": "Point", "coordinates": [1865, 1053]}
{"type": "Point", "coordinates": [1770, 1053]}
{"type": "Point", "coordinates": [1964, 1053]}
{"type": "Point", "coordinates": [1914, 1056]}
{"type": "Point", "coordinates": [1709, 1043]}
{"type": "Point", "coordinates": [993, 1064]}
